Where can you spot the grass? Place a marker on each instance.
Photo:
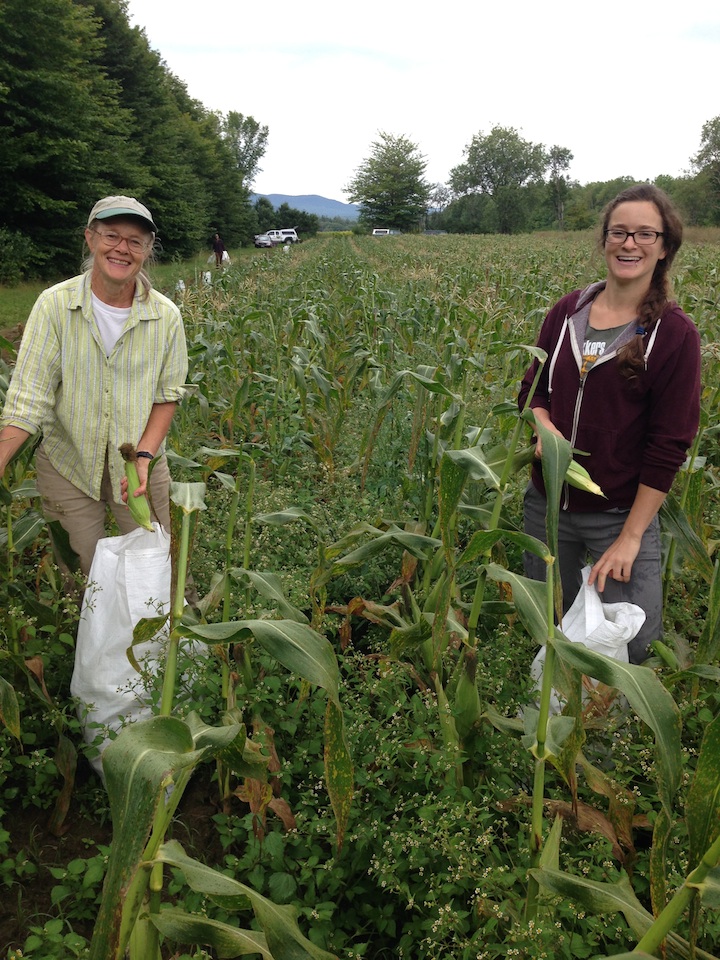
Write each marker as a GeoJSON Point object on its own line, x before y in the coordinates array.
{"type": "Point", "coordinates": [16, 301]}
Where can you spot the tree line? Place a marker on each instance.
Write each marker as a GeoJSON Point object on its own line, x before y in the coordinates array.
{"type": "Point", "coordinates": [88, 109]}
{"type": "Point", "coordinates": [507, 184]}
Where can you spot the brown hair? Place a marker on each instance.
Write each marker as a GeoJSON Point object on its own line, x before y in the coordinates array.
{"type": "Point", "coordinates": [631, 358]}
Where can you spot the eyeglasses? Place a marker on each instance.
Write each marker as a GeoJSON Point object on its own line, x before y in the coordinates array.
{"type": "Point", "coordinates": [643, 237]}
{"type": "Point", "coordinates": [111, 239]}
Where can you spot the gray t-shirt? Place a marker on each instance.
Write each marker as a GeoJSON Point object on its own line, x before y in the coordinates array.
{"type": "Point", "coordinates": [596, 343]}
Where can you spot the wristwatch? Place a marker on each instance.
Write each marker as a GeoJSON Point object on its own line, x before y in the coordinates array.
{"type": "Point", "coordinates": [144, 453]}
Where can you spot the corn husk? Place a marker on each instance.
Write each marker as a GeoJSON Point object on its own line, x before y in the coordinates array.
{"type": "Point", "coordinates": [139, 507]}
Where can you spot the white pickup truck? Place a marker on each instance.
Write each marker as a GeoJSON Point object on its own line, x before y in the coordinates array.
{"type": "Point", "coordinates": [283, 236]}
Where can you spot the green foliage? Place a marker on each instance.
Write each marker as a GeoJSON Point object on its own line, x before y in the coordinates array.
{"type": "Point", "coordinates": [390, 185]}
{"type": "Point", "coordinates": [372, 387]}
{"type": "Point", "coordinates": [62, 124]}
{"type": "Point", "coordinates": [247, 140]}
{"type": "Point", "coordinates": [19, 256]}
{"type": "Point", "coordinates": [89, 109]}
{"type": "Point", "coordinates": [268, 218]}
{"type": "Point", "coordinates": [498, 165]}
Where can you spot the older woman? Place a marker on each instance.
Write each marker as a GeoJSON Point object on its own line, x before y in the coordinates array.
{"type": "Point", "coordinates": [102, 362]}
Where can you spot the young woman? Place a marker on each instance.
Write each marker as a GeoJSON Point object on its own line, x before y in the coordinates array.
{"type": "Point", "coordinates": [102, 362]}
{"type": "Point", "coordinates": [621, 383]}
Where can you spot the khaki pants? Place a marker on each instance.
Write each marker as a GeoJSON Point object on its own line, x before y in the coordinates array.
{"type": "Point", "coordinates": [84, 518]}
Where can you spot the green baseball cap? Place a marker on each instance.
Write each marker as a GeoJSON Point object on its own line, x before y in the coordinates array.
{"type": "Point", "coordinates": [121, 207]}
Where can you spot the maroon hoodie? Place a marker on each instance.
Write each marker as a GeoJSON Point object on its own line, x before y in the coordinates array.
{"type": "Point", "coordinates": [635, 431]}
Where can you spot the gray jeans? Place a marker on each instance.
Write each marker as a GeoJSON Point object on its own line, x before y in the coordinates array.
{"type": "Point", "coordinates": [586, 536]}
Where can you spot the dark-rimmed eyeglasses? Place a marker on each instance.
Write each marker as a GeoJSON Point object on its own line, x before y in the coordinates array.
{"type": "Point", "coordinates": [112, 239]}
{"type": "Point", "coordinates": [643, 237]}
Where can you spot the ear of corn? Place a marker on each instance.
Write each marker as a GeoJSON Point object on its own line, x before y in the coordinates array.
{"type": "Point", "coordinates": [447, 723]}
{"type": "Point", "coordinates": [468, 710]}
{"type": "Point", "coordinates": [139, 507]}
{"type": "Point", "coordinates": [577, 476]}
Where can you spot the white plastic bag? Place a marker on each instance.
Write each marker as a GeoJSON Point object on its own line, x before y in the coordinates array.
{"type": "Point", "coordinates": [129, 579]}
{"type": "Point", "coordinates": [604, 628]}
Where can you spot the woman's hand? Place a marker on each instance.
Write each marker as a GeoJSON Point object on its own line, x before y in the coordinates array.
{"type": "Point", "coordinates": [543, 417]}
{"type": "Point", "coordinates": [617, 561]}
{"type": "Point", "coordinates": [142, 464]}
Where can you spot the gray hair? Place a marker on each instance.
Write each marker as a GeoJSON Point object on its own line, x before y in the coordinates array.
{"type": "Point", "coordinates": [145, 281]}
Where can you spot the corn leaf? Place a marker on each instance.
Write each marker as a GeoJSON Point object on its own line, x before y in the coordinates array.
{"type": "Point", "coordinates": [483, 540]}
{"type": "Point", "coordinates": [9, 708]}
{"type": "Point", "coordinates": [555, 460]}
{"type": "Point", "coordinates": [674, 520]}
{"type": "Point", "coordinates": [709, 640]}
{"type": "Point", "coordinates": [339, 773]}
{"type": "Point", "coordinates": [473, 461]}
{"type": "Point", "coordinates": [226, 941]}
{"type": "Point", "coordinates": [278, 922]}
{"type": "Point", "coordinates": [190, 497]}
{"type": "Point", "coordinates": [144, 759]}
{"type": "Point", "coordinates": [452, 483]}
{"type": "Point", "coordinates": [703, 804]}
{"type": "Point", "coordinates": [559, 728]}
{"type": "Point", "coordinates": [281, 517]}
{"type": "Point", "coordinates": [269, 586]}
{"type": "Point", "coordinates": [607, 899]}
{"type": "Point", "coordinates": [529, 598]}
{"type": "Point", "coordinates": [648, 698]}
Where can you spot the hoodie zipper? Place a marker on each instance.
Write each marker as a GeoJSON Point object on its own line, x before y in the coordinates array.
{"type": "Point", "coordinates": [578, 404]}
{"type": "Point", "coordinates": [573, 435]}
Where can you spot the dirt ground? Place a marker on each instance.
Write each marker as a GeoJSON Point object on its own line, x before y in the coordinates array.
{"type": "Point", "coordinates": [28, 902]}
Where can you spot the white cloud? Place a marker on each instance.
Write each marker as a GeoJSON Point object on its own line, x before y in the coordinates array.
{"type": "Point", "coordinates": [626, 89]}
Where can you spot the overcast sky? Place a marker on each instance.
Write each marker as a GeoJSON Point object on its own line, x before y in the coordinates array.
{"type": "Point", "coordinates": [626, 87]}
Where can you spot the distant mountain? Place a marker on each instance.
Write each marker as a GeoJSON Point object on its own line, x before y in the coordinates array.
{"type": "Point", "coordinates": [311, 203]}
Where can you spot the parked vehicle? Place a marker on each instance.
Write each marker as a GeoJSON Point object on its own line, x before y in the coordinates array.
{"type": "Point", "coordinates": [263, 240]}
{"type": "Point", "coordinates": [287, 235]}
{"type": "Point", "coordinates": [380, 232]}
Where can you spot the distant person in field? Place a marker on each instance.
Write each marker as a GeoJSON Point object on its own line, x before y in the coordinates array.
{"type": "Point", "coordinates": [621, 383]}
{"type": "Point", "coordinates": [218, 249]}
{"type": "Point", "coordinates": [102, 362]}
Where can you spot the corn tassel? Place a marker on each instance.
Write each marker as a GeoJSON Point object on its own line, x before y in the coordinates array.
{"type": "Point", "coordinates": [139, 506]}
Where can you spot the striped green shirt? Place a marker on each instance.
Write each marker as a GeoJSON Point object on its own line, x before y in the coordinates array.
{"type": "Point", "coordinates": [84, 402]}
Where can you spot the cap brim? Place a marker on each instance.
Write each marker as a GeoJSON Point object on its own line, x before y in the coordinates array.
{"type": "Point", "coordinates": [124, 212]}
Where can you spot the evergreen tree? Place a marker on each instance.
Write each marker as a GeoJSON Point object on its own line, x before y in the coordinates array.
{"type": "Point", "coordinates": [62, 126]}
{"type": "Point", "coordinates": [87, 109]}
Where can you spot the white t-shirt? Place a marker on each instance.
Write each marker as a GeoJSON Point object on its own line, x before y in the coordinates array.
{"type": "Point", "coordinates": [110, 322]}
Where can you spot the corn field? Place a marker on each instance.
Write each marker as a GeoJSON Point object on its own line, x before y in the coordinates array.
{"type": "Point", "coordinates": [350, 703]}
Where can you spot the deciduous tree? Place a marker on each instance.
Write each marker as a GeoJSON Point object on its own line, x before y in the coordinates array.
{"type": "Point", "coordinates": [559, 159]}
{"type": "Point", "coordinates": [499, 164]}
{"type": "Point", "coordinates": [390, 185]}
{"type": "Point", "coordinates": [707, 162]}
{"type": "Point", "coordinates": [248, 140]}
